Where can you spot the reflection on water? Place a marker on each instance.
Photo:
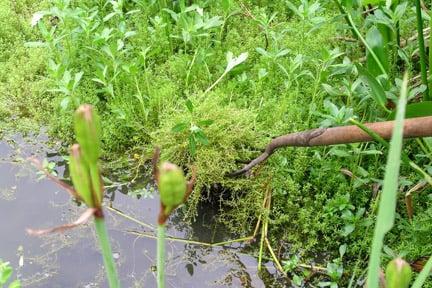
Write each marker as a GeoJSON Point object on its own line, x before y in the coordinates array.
{"type": "Point", "coordinates": [73, 260]}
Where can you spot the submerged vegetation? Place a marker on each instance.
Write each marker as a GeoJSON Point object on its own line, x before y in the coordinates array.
{"type": "Point", "coordinates": [212, 82]}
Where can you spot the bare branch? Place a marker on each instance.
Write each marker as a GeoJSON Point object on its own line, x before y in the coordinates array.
{"type": "Point", "coordinates": [414, 127]}
{"type": "Point", "coordinates": [54, 179]}
{"type": "Point", "coordinates": [59, 229]}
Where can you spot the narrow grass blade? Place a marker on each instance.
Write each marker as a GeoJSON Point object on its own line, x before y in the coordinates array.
{"type": "Point", "coordinates": [421, 278]}
{"type": "Point", "coordinates": [387, 206]}
{"type": "Point", "coordinates": [422, 49]}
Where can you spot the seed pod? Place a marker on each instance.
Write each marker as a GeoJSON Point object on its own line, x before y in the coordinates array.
{"type": "Point", "coordinates": [398, 274]}
{"type": "Point", "coordinates": [87, 130]}
{"type": "Point", "coordinates": [172, 186]}
{"type": "Point", "coordinates": [80, 175]}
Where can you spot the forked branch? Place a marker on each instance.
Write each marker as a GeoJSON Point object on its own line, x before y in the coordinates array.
{"type": "Point", "coordinates": [414, 127]}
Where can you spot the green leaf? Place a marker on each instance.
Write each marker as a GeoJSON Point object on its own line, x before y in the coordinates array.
{"type": "Point", "coordinates": [379, 47]}
{"type": "Point", "coordinates": [5, 272]}
{"type": "Point", "coordinates": [189, 105]}
{"type": "Point", "coordinates": [387, 204]}
{"type": "Point", "coordinates": [192, 145]}
{"type": "Point", "coordinates": [378, 93]}
{"type": "Point", "coordinates": [201, 137]}
{"type": "Point", "coordinates": [205, 123]}
{"type": "Point", "coordinates": [421, 109]}
{"type": "Point", "coordinates": [15, 284]}
{"type": "Point", "coordinates": [180, 127]}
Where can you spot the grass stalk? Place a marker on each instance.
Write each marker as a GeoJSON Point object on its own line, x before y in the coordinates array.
{"type": "Point", "coordinates": [430, 54]}
{"type": "Point", "coordinates": [422, 52]}
{"type": "Point", "coordinates": [387, 205]}
{"type": "Point", "coordinates": [363, 40]}
{"type": "Point", "coordinates": [161, 256]}
{"type": "Point", "coordinates": [421, 278]}
{"type": "Point", "coordinates": [105, 247]}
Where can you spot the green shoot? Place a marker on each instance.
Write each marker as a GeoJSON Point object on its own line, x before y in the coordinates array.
{"type": "Point", "coordinates": [387, 205]}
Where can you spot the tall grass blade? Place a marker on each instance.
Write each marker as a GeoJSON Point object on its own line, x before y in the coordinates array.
{"type": "Point", "coordinates": [378, 44]}
{"type": "Point", "coordinates": [422, 49]}
{"type": "Point", "coordinates": [421, 278]}
{"type": "Point", "coordinates": [386, 212]}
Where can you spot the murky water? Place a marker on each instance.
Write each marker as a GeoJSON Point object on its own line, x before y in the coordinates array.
{"type": "Point", "coordinates": [73, 260]}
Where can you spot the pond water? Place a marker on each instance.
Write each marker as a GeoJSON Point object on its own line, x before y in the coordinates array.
{"type": "Point", "coordinates": [72, 259]}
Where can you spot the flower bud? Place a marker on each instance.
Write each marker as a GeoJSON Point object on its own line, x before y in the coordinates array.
{"type": "Point", "coordinates": [87, 130]}
{"type": "Point", "coordinates": [172, 186]}
{"type": "Point", "coordinates": [398, 274]}
{"type": "Point", "coordinates": [80, 175]}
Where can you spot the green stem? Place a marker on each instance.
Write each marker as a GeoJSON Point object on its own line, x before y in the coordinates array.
{"type": "Point", "coordinates": [342, 11]}
{"type": "Point", "coordinates": [160, 256]}
{"type": "Point", "coordinates": [106, 253]}
{"type": "Point", "coordinates": [430, 54]}
{"type": "Point", "coordinates": [374, 56]}
{"type": "Point", "coordinates": [422, 50]}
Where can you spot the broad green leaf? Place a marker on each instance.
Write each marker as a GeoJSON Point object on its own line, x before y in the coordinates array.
{"type": "Point", "coordinates": [201, 137]}
{"type": "Point", "coordinates": [372, 2]}
{"type": "Point", "coordinates": [189, 106]}
{"type": "Point", "coordinates": [421, 109]}
{"type": "Point", "coordinates": [205, 123]}
{"type": "Point", "coordinates": [180, 127]}
{"type": "Point", "coordinates": [192, 145]}
{"type": "Point", "coordinates": [387, 204]}
{"type": "Point", "coordinates": [378, 93]}
{"type": "Point", "coordinates": [376, 42]}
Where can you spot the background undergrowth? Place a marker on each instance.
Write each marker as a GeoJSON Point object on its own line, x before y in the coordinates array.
{"type": "Point", "coordinates": [147, 67]}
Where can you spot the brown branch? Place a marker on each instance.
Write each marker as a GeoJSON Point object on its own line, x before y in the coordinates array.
{"type": "Point", "coordinates": [85, 216]}
{"type": "Point", "coordinates": [54, 179]}
{"type": "Point", "coordinates": [415, 127]}
{"type": "Point", "coordinates": [190, 184]}
{"type": "Point", "coordinates": [155, 160]}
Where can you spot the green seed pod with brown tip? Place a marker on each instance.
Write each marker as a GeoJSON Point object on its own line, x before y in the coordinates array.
{"type": "Point", "coordinates": [172, 186]}
{"type": "Point", "coordinates": [80, 175]}
{"type": "Point", "coordinates": [398, 274]}
{"type": "Point", "coordinates": [87, 130]}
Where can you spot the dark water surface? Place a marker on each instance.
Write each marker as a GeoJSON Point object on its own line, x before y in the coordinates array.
{"type": "Point", "coordinates": [73, 260]}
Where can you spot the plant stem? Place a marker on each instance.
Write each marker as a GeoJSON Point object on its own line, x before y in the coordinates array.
{"type": "Point", "coordinates": [342, 11]}
{"type": "Point", "coordinates": [422, 50]}
{"type": "Point", "coordinates": [430, 54]}
{"type": "Point", "coordinates": [106, 252]}
{"type": "Point", "coordinates": [374, 56]}
{"type": "Point", "coordinates": [160, 256]}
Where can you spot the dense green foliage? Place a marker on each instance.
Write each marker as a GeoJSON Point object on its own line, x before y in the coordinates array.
{"type": "Point", "coordinates": [153, 70]}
